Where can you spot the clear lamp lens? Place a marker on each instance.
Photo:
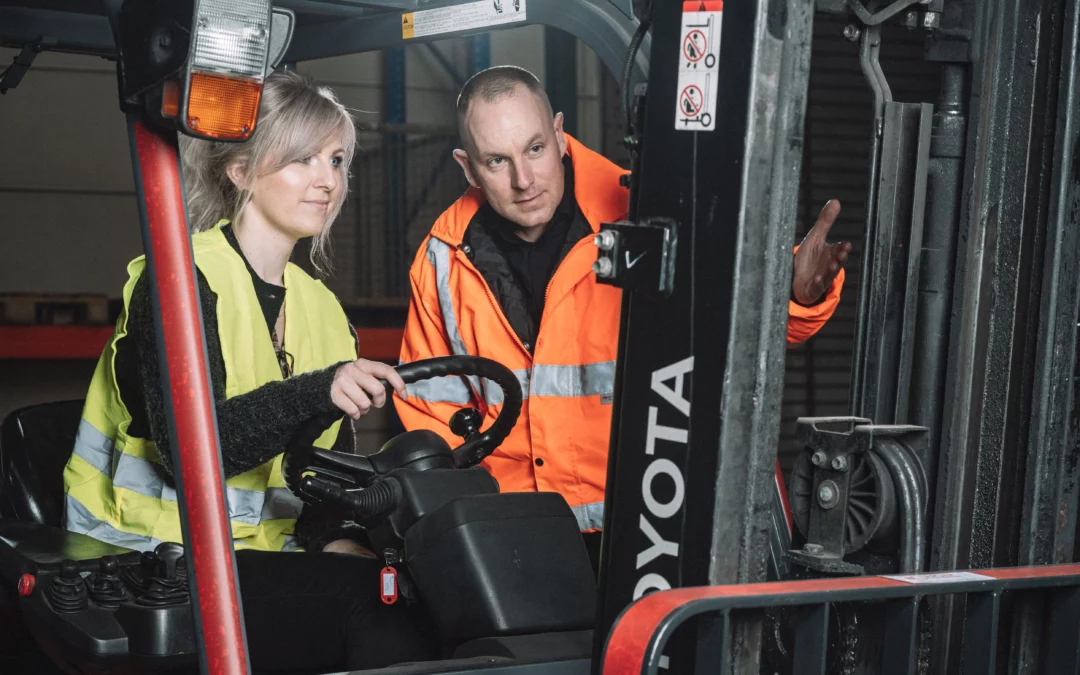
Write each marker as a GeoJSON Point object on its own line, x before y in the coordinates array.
{"type": "Point", "coordinates": [232, 37]}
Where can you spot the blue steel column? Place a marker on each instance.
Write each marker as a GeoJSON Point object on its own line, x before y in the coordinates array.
{"type": "Point", "coordinates": [395, 173]}
{"type": "Point", "coordinates": [560, 65]}
{"type": "Point", "coordinates": [479, 53]}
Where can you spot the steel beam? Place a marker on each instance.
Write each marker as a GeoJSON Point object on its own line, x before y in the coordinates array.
{"type": "Point", "coordinates": [986, 453]}
{"type": "Point", "coordinates": [598, 23]}
{"type": "Point", "coordinates": [700, 372]}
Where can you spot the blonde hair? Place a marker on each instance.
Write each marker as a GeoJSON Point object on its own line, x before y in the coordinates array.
{"type": "Point", "coordinates": [296, 117]}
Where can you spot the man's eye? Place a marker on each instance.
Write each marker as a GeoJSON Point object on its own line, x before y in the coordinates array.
{"type": "Point", "coordinates": [536, 149]}
{"type": "Point", "coordinates": [495, 161]}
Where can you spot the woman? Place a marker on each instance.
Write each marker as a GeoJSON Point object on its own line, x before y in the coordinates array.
{"type": "Point", "coordinates": [280, 351]}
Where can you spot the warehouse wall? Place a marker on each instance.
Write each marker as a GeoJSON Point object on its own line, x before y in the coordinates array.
{"type": "Point", "coordinates": [67, 208]}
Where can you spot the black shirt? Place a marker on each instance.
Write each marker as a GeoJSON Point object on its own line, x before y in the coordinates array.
{"type": "Point", "coordinates": [533, 263]}
{"type": "Point", "coordinates": [270, 296]}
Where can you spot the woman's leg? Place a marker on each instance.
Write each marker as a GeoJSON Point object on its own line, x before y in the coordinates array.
{"type": "Point", "coordinates": [319, 612]}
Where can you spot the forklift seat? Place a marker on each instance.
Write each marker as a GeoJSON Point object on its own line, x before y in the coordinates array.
{"type": "Point", "coordinates": [35, 444]}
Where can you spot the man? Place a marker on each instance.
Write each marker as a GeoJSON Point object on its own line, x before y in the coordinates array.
{"type": "Point", "coordinates": [506, 273]}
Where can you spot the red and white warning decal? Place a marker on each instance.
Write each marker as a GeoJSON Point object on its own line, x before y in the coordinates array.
{"type": "Point", "coordinates": [699, 65]}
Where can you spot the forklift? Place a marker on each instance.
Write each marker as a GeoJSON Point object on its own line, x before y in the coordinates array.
{"type": "Point", "coordinates": [930, 531]}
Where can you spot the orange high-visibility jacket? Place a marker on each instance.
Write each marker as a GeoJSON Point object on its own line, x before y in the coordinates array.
{"type": "Point", "coordinates": [560, 443]}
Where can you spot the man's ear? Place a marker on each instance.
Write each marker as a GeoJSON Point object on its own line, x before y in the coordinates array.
{"type": "Point", "coordinates": [237, 173]}
{"type": "Point", "coordinates": [560, 137]}
{"type": "Point", "coordinates": [462, 158]}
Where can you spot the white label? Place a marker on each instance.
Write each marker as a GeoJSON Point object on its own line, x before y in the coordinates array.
{"type": "Point", "coordinates": [461, 17]}
{"type": "Point", "coordinates": [388, 584]}
{"type": "Point", "coordinates": [699, 68]}
{"type": "Point", "coordinates": [938, 578]}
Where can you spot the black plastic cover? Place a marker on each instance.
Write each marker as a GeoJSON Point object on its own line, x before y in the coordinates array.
{"type": "Point", "coordinates": [505, 564]}
{"type": "Point", "coordinates": [422, 492]}
{"type": "Point", "coordinates": [32, 548]}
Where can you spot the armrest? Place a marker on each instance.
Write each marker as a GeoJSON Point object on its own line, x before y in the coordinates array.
{"type": "Point", "coordinates": [34, 548]}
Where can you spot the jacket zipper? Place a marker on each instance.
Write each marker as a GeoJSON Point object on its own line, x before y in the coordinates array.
{"type": "Point", "coordinates": [547, 291]}
{"type": "Point", "coordinates": [494, 302]}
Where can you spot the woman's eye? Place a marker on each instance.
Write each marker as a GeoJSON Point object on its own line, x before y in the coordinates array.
{"type": "Point", "coordinates": [337, 161]}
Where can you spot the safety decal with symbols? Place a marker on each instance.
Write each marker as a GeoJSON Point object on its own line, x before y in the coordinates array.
{"type": "Point", "coordinates": [699, 65]}
{"type": "Point", "coordinates": [461, 17]}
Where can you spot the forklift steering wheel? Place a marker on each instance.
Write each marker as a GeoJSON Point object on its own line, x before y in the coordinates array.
{"type": "Point", "coordinates": [315, 474]}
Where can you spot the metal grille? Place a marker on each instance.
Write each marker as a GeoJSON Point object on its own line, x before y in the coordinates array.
{"type": "Point", "coordinates": [835, 167]}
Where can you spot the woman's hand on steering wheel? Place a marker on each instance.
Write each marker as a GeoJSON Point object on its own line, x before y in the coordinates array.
{"type": "Point", "coordinates": [357, 388]}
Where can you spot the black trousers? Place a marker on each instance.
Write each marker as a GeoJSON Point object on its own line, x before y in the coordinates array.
{"type": "Point", "coordinates": [321, 612]}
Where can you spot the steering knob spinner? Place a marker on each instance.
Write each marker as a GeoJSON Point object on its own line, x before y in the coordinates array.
{"type": "Point", "coordinates": [466, 423]}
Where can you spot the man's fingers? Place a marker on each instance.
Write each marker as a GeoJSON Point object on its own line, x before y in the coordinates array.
{"type": "Point", "coordinates": [826, 219]}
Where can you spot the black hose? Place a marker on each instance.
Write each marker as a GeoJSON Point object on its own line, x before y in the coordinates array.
{"type": "Point", "coordinates": [379, 498]}
{"type": "Point", "coordinates": [905, 474]}
{"type": "Point", "coordinates": [628, 65]}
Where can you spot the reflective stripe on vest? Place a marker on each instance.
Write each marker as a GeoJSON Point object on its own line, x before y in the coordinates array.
{"type": "Point", "coordinates": [590, 379]}
{"type": "Point", "coordinates": [78, 518]}
{"type": "Point", "coordinates": [589, 516]}
{"type": "Point", "coordinates": [116, 489]}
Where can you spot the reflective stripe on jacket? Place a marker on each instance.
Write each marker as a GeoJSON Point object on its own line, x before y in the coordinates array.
{"type": "Point", "coordinates": [114, 483]}
{"type": "Point", "coordinates": [561, 439]}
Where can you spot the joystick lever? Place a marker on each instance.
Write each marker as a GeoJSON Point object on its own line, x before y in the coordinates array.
{"type": "Point", "coordinates": [168, 585]}
{"type": "Point", "coordinates": [67, 592]}
{"type": "Point", "coordinates": [106, 589]}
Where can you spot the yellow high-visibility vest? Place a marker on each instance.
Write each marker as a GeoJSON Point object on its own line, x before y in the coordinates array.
{"type": "Point", "coordinates": [114, 483]}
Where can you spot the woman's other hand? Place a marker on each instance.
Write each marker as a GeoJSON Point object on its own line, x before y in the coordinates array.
{"type": "Point", "coordinates": [357, 387]}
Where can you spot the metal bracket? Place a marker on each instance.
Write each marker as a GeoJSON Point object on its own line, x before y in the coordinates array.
{"type": "Point", "coordinates": [856, 486]}
{"type": "Point", "coordinates": [878, 18]}
{"type": "Point", "coordinates": [13, 74]}
{"type": "Point", "coordinates": [638, 256]}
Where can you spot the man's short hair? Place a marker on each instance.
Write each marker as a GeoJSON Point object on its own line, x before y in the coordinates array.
{"type": "Point", "coordinates": [492, 85]}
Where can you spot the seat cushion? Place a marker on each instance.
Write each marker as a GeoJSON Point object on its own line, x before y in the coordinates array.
{"type": "Point", "coordinates": [35, 444]}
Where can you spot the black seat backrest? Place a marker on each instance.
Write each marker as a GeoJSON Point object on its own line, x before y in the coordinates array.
{"type": "Point", "coordinates": [35, 444]}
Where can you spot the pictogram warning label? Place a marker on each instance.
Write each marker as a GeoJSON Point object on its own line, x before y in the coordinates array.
{"type": "Point", "coordinates": [468, 16]}
{"type": "Point", "coordinates": [699, 65]}
{"type": "Point", "coordinates": [691, 99]}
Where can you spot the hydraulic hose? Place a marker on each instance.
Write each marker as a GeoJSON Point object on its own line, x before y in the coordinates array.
{"type": "Point", "coordinates": [628, 64]}
{"type": "Point", "coordinates": [381, 497]}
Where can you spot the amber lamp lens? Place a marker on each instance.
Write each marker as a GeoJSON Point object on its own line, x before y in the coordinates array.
{"type": "Point", "coordinates": [223, 107]}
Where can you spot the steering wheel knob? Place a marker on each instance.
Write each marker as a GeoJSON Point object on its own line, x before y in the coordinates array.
{"type": "Point", "coordinates": [466, 423]}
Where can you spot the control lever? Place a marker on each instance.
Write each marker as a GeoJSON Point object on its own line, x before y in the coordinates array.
{"type": "Point", "coordinates": [106, 589]}
{"type": "Point", "coordinates": [168, 585]}
{"type": "Point", "coordinates": [138, 578]}
{"type": "Point", "coordinates": [67, 592]}
{"type": "Point", "coordinates": [466, 423]}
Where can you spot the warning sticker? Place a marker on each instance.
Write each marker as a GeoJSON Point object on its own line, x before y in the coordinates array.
{"type": "Point", "coordinates": [938, 578]}
{"type": "Point", "coordinates": [461, 17]}
{"type": "Point", "coordinates": [699, 65]}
